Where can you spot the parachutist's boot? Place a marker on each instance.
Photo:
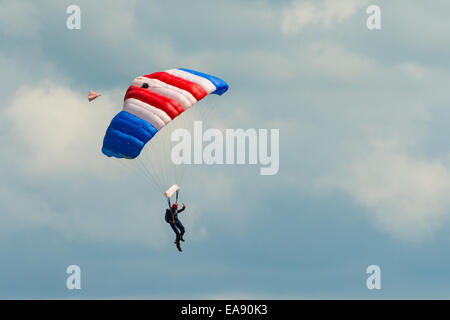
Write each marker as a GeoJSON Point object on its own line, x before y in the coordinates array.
{"type": "Point", "coordinates": [181, 238]}
{"type": "Point", "coordinates": [179, 247]}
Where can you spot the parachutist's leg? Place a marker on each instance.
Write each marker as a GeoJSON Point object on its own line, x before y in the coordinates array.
{"type": "Point", "coordinates": [175, 229]}
{"type": "Point", "coordinates": [177, 241]}
{"type": "Point", "coordinates": [182, 230]}
{"type": "Point", "coordinates": [180, 226]}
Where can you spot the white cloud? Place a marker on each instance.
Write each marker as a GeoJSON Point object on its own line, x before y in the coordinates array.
{"type": "Point", "coordinates": [413, 70]}
{"type": "Point", "coordinates": [331, 60]}
{"type": "Point", "coordinates": [325, 12]}
{"type": "Point", "coordinates": [408, 196]}
{"type": "Point", "coordinates": [56, 131]}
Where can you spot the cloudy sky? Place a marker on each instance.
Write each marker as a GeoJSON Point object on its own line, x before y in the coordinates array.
{"type": "Point", "coordinates": [364, 173]}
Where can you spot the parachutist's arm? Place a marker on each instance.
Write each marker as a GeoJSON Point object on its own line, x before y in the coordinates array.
{"type": "Point", "coordinates": [182, 209]}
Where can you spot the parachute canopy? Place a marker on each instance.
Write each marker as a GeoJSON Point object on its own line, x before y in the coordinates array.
{"type": "Point", "coordinates": [150, 103]}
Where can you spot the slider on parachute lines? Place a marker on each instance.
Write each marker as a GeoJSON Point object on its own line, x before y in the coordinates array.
{"type": "Point", "coordinates": [169, 192]}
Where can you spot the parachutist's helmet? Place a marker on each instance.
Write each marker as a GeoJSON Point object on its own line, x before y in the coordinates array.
{"type": "Point", "coordinates": [174, 206]}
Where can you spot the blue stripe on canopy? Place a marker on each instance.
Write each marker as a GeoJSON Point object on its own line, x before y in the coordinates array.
{"type": "Point", "coordinates": [221, 86]}
{"type": "Point", "coordinates": [126, 136]}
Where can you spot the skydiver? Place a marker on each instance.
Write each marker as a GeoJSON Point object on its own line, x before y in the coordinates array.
{"type": "Point", "coordinates": [171, 218]}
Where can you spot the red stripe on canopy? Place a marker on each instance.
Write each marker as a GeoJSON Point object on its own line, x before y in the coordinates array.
{"type": "Point", "coordinates": [195, 89]}
{"type": "Point", "coordinates": [169, 106]}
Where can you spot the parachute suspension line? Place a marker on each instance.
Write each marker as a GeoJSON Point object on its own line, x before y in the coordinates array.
{"type": "Point", "coordinates": [154, 169]}
{"type": "Point", "coordinates": [156, 166]}
{"type": "Point", "coordinates": [176, 196]}
{"type": "Point", "coordinates": [147, 167]}
{"type": "Point", "coordinates": [158, 170]}
{"type": "Point", "coordinates": [128, 166]}
{"type": "Point", "coordinates": [120, 163]}
{"type": "Point", "coordinates": [155, 179]}
{"type": "Point", "coordinates": [148, 174]}
{"type": "Point", "coordinates": [202, 111]}
{"type": "Point", "coordinates": [155, 159]}
{"type": "Point", "coordinates": [173, 169]}
{"type": "Point", "coordinates": [179, 168]}
{"type": "Point", "coordinates": [144, 169]}
{"type": "Point", "coordinates": [125, 164]}
{"type": "Point", "coordinates": [162, 163]}
{"type": "Point", "coordinates": [210, 110]}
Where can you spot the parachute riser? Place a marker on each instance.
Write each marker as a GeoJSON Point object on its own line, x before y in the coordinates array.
{"type": "Point", "coordinates": [169, 192]}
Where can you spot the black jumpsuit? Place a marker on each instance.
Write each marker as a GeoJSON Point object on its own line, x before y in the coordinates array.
{"type": "Point", "coordinates": [172, 219]}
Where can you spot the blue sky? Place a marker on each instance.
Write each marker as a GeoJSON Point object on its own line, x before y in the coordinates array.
{"type": "Point", "coordinates": [364, 160]}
